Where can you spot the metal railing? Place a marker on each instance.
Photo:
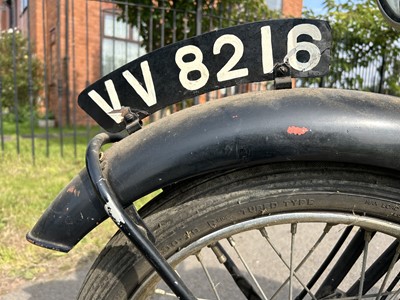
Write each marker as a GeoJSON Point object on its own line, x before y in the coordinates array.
{"type": "Point", "coordinates": [75, 42]}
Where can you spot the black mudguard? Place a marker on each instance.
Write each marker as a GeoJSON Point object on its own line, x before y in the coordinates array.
{"type": "Point", "coordinates": [235, 132]}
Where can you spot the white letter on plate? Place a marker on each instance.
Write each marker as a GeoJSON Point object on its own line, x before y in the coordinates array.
{"type": "Point", "coordinates": [266, 47]}
{"type": "Point", "coordinates": [149, 96]}
{"type": "Point", "coordinates": [226, 73]}
{"type": "Point", "coordinates": [312, 49]}
{"type": "Point", "coordinates": [116, 104]}
{"type": "Point", "coordinates": [190, 66]}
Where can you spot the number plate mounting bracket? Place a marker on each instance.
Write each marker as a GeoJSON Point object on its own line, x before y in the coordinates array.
{"type": "Point", "coordinates": [131, 119]}
{"type": "Point", "coordinates": [283, 79]}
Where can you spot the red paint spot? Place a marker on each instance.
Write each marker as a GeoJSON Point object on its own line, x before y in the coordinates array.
{"type": "Point", "coordinates": [297, 130]}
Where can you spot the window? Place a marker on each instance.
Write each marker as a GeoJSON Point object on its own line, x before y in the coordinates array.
{"type": "Point", "coordinates": [120, 43]}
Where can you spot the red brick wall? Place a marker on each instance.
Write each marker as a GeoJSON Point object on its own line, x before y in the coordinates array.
{"type": "Point", "coordinates": [78, 48]}
{"type": "Point", "coordinates": [4, 20]}
{"type": "Point", "coordinates": [292, 8]}
{"type": "Point", "coordinates": [78, 51]}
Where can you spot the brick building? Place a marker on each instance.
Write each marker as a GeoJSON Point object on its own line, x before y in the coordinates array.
{"type": "Point", "coordinates": [79, 41]}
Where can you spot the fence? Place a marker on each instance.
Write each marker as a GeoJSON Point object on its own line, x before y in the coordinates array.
{"type": "Point", "coordinates": [54, 49]}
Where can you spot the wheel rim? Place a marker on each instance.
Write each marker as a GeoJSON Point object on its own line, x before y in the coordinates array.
{"type": "Point", "coordinates": [295, 253]}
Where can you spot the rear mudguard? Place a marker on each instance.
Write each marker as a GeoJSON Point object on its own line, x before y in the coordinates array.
{"type": "Point", "coordinates": [235, 132]}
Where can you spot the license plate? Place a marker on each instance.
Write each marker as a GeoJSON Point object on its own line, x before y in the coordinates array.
{"type": "Point", "coordinates": [223, 58]}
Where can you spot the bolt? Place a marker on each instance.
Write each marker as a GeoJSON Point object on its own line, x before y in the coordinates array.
{"type": "Point", "coordinates": [282, 70]}
{"type": "Point", "coordinates": [129, 118]}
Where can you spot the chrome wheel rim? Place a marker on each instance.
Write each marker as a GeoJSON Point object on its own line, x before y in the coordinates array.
{"type": "Point", "coordinates": [290, 289]}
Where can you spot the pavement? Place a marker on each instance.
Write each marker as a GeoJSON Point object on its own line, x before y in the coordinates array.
{"type": "Point", "coordinates": [66, 288]}
{"type": "Point", "coordinates": [272, 271]}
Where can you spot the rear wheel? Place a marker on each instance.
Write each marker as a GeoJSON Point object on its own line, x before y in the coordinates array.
{"type": "Point", "coordinates": [284, 231]}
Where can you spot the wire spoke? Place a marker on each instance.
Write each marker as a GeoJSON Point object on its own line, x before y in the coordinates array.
{"type": "Point", "coordinates": [326, 262]}
{"type": "Point", "coordinates": [200, 259]}
{"type": "Point", "coordinates": [305, 258]}
{"type": "Point", "coordinates": [376, 271]}
{"type": "Point", "coordinates": [241, 281]}
{"type": "Point", "coordinates": [395, 295]}
{"type": "Point", "coordinates": [367, 239]}
{"type": "Point", "coordinates": [389, 271]}
{"type": "Point", "coordinates": [233, 244]}
{"type": "Point", "coordinates": [264, 233]}
{"type": "Point", "coordinates": [343, 265]}
{"type": "Point", "coordinates": [293, 230]}
{"type": "Point", "coordinates": [392, 284]}
{"type": "Point", "coordinates": [363, 297]}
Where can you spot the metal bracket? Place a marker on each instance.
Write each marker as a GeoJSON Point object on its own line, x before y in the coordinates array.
{"type": "Point", "coordinates": [136, 231]}
{"type": "Point", "coordinates": [283, 79]}
{"type": "Point", "coordinates": [131, 120]}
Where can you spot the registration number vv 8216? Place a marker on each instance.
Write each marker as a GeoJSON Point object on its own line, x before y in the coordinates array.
{"type": "Point", "coordinates": [223, 58]}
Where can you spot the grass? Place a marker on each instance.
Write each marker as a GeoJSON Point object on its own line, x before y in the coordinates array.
{"type": "Point", "coordinates": [26, 190]}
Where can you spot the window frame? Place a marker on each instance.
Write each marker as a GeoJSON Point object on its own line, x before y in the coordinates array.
{"type": "Point", "coordinates": [130, 38]}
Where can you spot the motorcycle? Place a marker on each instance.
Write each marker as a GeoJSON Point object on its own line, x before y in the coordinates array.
{"type": "Point", "coordinates": [284, 194]}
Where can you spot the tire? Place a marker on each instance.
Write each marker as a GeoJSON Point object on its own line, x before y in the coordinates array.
{"type": "Point", "coordinates": [296, 204]}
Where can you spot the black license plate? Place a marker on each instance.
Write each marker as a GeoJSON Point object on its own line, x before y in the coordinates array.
{"type": "Point", "coordinates": [218, 59]}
